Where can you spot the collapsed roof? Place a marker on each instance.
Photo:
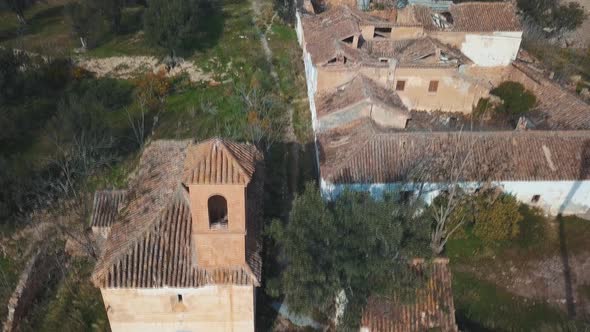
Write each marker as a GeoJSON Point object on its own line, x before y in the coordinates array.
{"type": "Point", "coordinates": [465, 17]}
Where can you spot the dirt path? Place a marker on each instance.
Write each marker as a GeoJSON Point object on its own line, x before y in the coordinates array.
{"type": "Point", "coordinates": [256, 8]}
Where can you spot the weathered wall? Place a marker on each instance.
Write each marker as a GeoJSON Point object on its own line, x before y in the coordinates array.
{"type": "Point", "coordinates": [499, 49]}
{"type": "Point", "coordinates": [484, 49]}
{"type": "Point", "coordinates": [400, 33]}
{"type": "Point", "coordinates": [386, 118]}
{"type": "Point", "coordinates": [342, 117]}
{"type": "Point", "coordinates": [212, 308]}
{"type": "Point", "coordinates": [455, 92]}
{"type": "Point", "coordinates": [219, 247]}
{"type": "Point", "coordinates": [565, 197]}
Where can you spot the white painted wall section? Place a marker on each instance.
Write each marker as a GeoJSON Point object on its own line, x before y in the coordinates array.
{"type": "Point", "coordinates": [497, 49]}
{"type": "Point", "coordinates": [556, 197]}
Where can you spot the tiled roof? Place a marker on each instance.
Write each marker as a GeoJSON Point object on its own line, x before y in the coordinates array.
{"type": "Point", "coordinates": [561, 109]}
{"type": "Point", "coordinates": [106, 207]}
{"type": "Point", "coordinates": [358, 89]}
{"type": "Point", "coordinates": [324, 34]}
{"type": "Point", "coordinates": [218, 161]}
{"type": "Point", "coordinates": [473, 17]}
{"type": "Point", "coordinates": [365, 155]}
{"type": "Point", "coordinates": [485, 17]}
{"type": "Point", "coordinates": [161, 257]}
{"type": "Point", "coordinates": [421, 52]}
{"type": "Point", "coordinates": [150, 240]}
{"type": "Point", "coordinates": [430, 308]}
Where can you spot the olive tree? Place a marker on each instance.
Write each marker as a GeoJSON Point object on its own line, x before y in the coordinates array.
{"type": "Point", "coordinates": [171, 23]}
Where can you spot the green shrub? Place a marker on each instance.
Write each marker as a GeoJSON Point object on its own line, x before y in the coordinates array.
{"type": "Point", "coordinates": [517, 101]}
{"type": "Point", "coordinates": [497, 217]}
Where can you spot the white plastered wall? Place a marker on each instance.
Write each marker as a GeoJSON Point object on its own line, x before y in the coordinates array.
{"type": "Point", "coordinates": [556, 197]}
{"type": "Point", "coordinates": [497, 49]}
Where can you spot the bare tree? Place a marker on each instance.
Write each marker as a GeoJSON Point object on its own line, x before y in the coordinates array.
{"type": "Point", "coordinates": [456, 173]}
{"type": "Point", "coordinates": [138, 126]}
{"type": "Point", "coordinates": [265, 123]}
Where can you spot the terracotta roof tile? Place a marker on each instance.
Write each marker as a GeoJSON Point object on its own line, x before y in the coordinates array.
{"type": "Point", "coordinates": [106, 207]}
{"type": "Point", "coordinates": [358, 89]}
{"type": "Point", "coordinates": [218, 161]}
{"type": "Point", "coordinates": [430, 308]}
{"type": "Point", "coordinates": [364, 155]}
{"type": "Point", "coordinates": [149, 244]}
{"type": "Point", "coordinates": [473, 17]}
{"type": "Point", "coordinates": [562, 110]}
{"type": "Point", "coordinates": [421, 52]}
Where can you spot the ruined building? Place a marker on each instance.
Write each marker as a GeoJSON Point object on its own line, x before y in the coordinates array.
{"type": "Point", "coordinates": [392, 86]}
{"type": "Point", "coordinates": [181, 249]}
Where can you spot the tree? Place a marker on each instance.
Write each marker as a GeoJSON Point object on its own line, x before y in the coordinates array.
{"type": "Point", "coordinates": [171, 23]}
{"type": "Point", "coordinates": [497, 216]}
{"type": "Point", "coordinates": [265, 117]}
{"type": "Point", "coordinates": [516, 100]}
{"type": "Point", "coordinates": [568, 17]}
{"type": "Point", "coordinates": [86, 22]}
{"type": "Point", "coordinates": [345, 251]}
{"type": "Point", "coordinates": [18, 7]}
{"type": "Point", "coordinates": [453, 171]}
{"type": "Point", "coordinates": [111, 11]}
{"type": "Point", "coordinates": [552, 15]}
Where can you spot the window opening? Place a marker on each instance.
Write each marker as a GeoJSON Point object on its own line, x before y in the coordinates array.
{"type": "Point", "coordinates": [217, 206]}
{"type": "Point", "coordinates": [433, 86]}
{"type": "Point", "coordinates": [400, 86]}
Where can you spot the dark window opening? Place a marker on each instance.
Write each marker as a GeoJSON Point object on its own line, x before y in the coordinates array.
{"type": "Point", "coordinates": [433, 86]}
{"type": "Point", "coordinates": [448, 17]}
{"type": "Point", "coordinates": [348, 40]}
{"type": "Point", "coordinates": [400, 85]}
{"type": "Point", "coordinates": [217, 206]}
{"type": "Point", "coordinates": [383, 60]}
{"type": "Point", "coordinates": [382, 33]}
{"type": "Point", "coordinates": [179, 296]}
{"type": "Point", "coordinates": [536, 199]}
{"type": "Point", "coordinates": [332, 61]}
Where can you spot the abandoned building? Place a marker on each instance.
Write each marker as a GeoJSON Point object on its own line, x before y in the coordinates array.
{"type": "Point", "coordinates": [392, 90]}
{"type": "Point", "coordinates": [428, 307]}
{"type": "Point", "coordinates": [181, 249]}
{"type": "Point", "coordinates": [547, 169]}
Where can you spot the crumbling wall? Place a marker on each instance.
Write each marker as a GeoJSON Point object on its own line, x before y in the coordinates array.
{"type": "Point", "coordinates": [38, 270]}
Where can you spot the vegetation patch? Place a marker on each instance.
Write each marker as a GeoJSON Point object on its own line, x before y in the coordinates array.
{"type": "Point", "coordinates": [483, 306]}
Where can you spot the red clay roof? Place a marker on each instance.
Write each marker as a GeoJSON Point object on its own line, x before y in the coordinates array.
{"type": "Point", "coordinates": [562, 110]}
{"type": "Point", "coordinates": [149, 243]}
{"type": "Point", "coordinates": [220, 161]}
{"type": "Point", "coordinates": [106, 207]}
{"type": "Point", "coordinates": [358, 89]}
{"type": "Point", "coordinates": [473, 17]}
{"type": "Point", "coordinates": [365, 155]}
{"type": "Point", "coordinates": [431, 308]}
{"type": "Point", "coordinates": [421, 52]}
